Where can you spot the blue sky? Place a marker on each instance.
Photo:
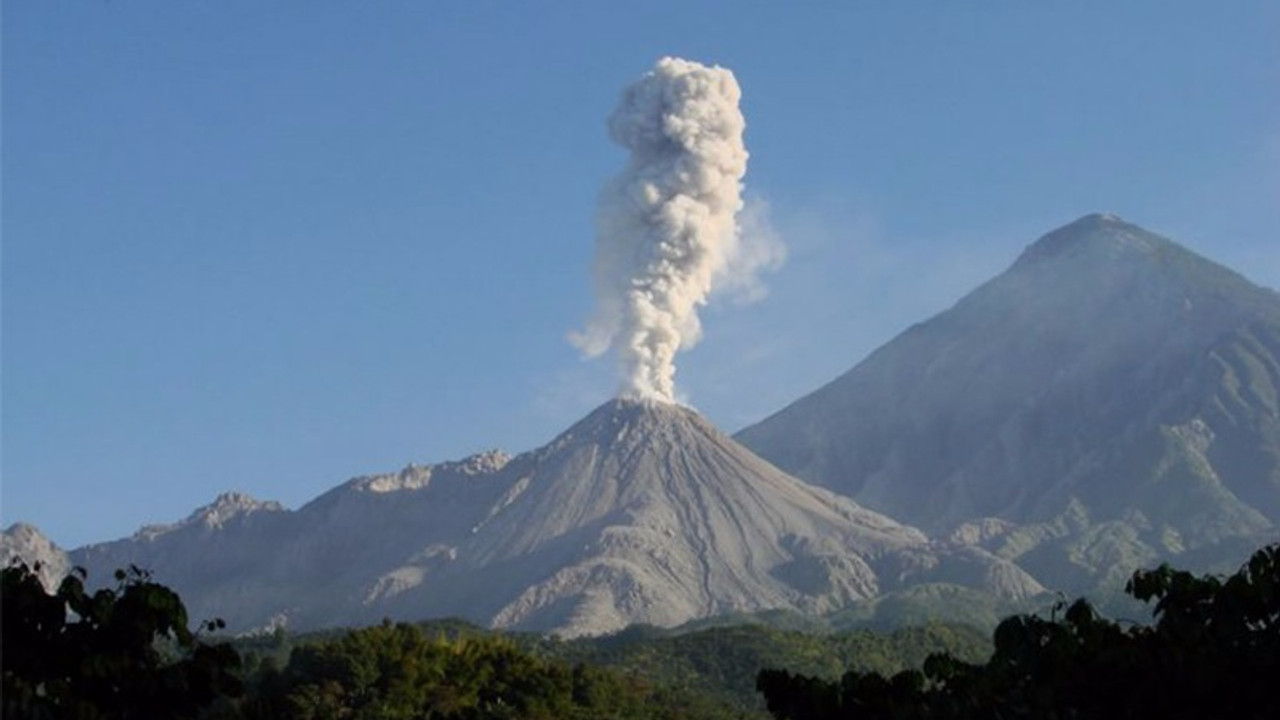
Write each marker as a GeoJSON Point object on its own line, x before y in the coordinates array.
{"type": "Point", "coordinates": [270, 246]}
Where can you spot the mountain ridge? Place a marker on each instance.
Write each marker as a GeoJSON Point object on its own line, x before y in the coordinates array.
{"type": "Point", "coordinates": [642, 512]}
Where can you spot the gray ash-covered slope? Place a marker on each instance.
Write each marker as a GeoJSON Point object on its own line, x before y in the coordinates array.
{"type": "Point", "coordinates": [1110, 400]}
{"type": "Point", "coordinates": [641, 512]}
{"type": "Point", "coordinates": [256, 564]}
{"type": "Point", "coordinates": [645, 512]}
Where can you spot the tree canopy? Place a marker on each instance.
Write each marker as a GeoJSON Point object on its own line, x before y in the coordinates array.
{"type": "Point", "coordinates": [398, 671]}
{"type": "Point", "coordinates": [126, 652]}
{"type": "Point", "coordinates": [1213, 651]}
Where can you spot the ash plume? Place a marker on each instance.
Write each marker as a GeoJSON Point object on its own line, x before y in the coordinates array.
{"type": "Point", "coordinates": [666, 231]}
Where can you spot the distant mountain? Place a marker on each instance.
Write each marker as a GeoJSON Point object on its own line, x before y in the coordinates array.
{"type": "Point", "coordinates": [1110, 400]}
{"type": "Point", "coordinates": [640, 513]}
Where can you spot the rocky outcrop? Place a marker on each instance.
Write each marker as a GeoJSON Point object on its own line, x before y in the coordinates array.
{"type": "Point", "coordinates": [25, 543]}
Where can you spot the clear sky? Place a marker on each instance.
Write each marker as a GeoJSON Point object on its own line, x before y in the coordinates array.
{"type": "Point", "coordinates": [270, 246]}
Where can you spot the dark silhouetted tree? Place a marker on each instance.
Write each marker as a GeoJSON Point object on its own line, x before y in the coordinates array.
{"type": "Point", "coordinates": [125, 652]}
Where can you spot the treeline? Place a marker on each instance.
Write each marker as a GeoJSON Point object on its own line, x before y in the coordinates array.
{"type": "Point", "coordinates": [721, 662]}
{"type": "Point", "coordinates": [712, 669]}
{"type": "Point", "coordinates": [1213, 652]}
{"type": "Point", "coordinates": [400, 671]}
{"type": "Point", "coordinates": [126, 652]}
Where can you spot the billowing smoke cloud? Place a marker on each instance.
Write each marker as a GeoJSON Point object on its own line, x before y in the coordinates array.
{"type": "Point", "coordinates": [666, 234]}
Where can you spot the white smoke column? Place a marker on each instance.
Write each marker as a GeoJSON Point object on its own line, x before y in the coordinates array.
{"type": "Point", "coordinates": [666, 232]}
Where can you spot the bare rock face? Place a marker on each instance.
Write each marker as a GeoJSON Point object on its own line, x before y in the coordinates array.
{"type": "Point", "coordinates": [1112, 392]}
{"type": "Point", "coordinates": [25, 543]}
{"type": "Point", "coordinates": [641, 512]}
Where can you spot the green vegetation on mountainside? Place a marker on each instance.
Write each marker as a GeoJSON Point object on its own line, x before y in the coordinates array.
{"type": "Point", "coordinates": [1213, 651]}
{"type": "Point", "coordinates": [721, 662]}
{"type": "Point", "coordinates": [710, 667]}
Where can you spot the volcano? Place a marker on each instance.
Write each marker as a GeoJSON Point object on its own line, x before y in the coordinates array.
{"type": "Point", "coordinates": [645, 512]}
{"type": "Point", "coordinates": [1108, 402]}
{"type": "Point", "coordinates": [642, 512]}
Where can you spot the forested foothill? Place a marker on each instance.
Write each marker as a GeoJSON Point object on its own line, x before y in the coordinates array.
{"type": "Point", "coordinates": [1212, 652]}
{"type": "Point", "coordinates": [644, 672]}
{"type": "Point", "coordinates": [126, 652]}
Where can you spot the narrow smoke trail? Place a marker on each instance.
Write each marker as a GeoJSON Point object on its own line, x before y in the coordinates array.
{"type": "Point", "coordinates": [666, 234]}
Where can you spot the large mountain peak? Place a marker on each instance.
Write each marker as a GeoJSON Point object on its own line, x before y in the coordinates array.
{"type": "Point", "coordinates": [632, 461]}
{"type": "Point", "coordinates": [1108, 367]}
{"type": "Point", "coordinates": [1102, 254]}
{"type": "Point", "coordinates": [1103, 235]}
{"type": "Point", "coordinates": [646, 512]}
